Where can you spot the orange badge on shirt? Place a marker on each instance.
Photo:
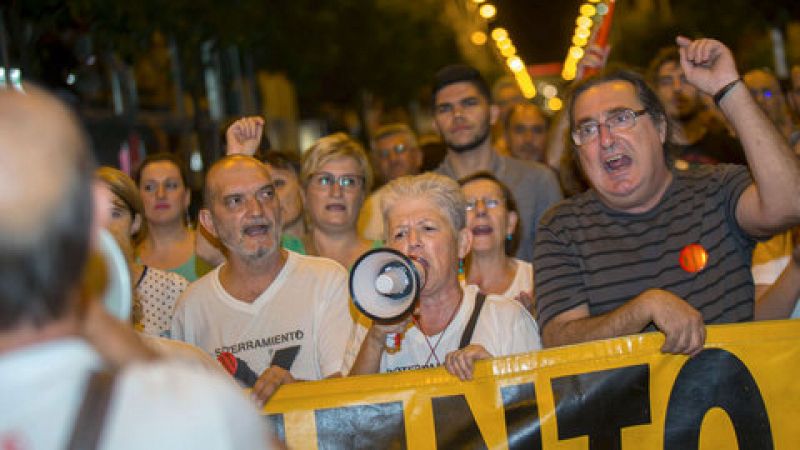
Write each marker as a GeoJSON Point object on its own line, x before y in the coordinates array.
{"type": "Point", "coordinates": [693, 258]}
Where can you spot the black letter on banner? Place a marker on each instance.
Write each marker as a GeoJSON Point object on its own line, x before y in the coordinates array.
{"type": "Point", "coordinates": [378, 425]}
{"type": "Point", "coordinates": [276, 420]}
{"type": "Point", "coordinates": [599, 404]}
{"type": "Point", "coordinates": [454, 424]}
{"type": "Point", "coordinates": [522, 417]}
{"type": "Point", "coordinates": [716, 378]}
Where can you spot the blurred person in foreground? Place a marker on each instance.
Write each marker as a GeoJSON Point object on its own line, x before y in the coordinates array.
{"type": "Point", "coordinates": [492, 220]}
{"type": "Point", "coordinates": [463, 115]}
{"type": "Point", "coordinates": [649, 248]}
{"type": "Point", "coordinates": [424, 219]}
{"type": "Point", "coordinates": [395, 153]}
{"type": "Point", "coordinates": [283, 314]}
{"type": "Point", "coordinates": [59, 350]}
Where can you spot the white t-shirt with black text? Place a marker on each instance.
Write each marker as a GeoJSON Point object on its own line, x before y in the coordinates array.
{"type": "Point", "coordinates": [305, 310]}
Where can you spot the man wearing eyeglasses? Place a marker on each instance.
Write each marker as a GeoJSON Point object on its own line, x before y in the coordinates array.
{"type": "Point", "coordinates": [649, 248]}
{"type": "Point", "coordinates": [283, 314]}
{"type": "Point", "coordinates": [463, 116]}
{"type": "Point", "coordinates": [395, 153]}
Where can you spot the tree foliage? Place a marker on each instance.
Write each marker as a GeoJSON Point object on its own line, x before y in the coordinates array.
{"type": "Point", "coordinates": [331, 50]}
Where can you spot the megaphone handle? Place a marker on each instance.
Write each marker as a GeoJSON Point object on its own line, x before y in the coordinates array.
{"type": "Point", "coordinates": [393, 341]}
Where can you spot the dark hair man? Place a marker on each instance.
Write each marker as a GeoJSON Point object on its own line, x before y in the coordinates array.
{"type": "Point", "coordinates": [463, 116]}
{"type": "Point", "coordinates": [697, 138]}
{"type": "Point", "coordinates": [653, 248]}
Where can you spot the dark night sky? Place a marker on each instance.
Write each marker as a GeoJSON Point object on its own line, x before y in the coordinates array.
{"type": "Point", "coordinates": [540, 29]}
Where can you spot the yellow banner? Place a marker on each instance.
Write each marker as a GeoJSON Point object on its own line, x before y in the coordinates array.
{"type": "Point", "coordinates": [614, 394]}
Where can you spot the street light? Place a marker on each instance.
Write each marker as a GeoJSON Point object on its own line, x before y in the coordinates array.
{"type": "Point", "coordinates": [488, 11]}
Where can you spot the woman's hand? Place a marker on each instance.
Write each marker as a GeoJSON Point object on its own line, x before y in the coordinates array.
{"type": "Point", "coordinates": [461, 362]}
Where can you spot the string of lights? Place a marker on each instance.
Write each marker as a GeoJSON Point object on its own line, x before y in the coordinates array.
{"type": "Point", "coordinates": [505, 47]}
{"type": "Point", "coordinates": [590, 14]}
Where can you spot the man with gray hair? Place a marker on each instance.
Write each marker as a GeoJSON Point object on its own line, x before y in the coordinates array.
{"type": "Point", "coordinates": [57, 390]}
{"type": "Point", "coordinates": [395, 153]}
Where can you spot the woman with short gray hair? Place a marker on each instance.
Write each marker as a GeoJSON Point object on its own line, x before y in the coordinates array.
{"type": "Point", "coordinates": [424, 218]}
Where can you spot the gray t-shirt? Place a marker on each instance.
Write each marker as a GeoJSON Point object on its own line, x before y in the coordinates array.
{"type": "Point", "coordinates": [589, 254]}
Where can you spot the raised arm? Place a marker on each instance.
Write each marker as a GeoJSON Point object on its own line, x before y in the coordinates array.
{"type": "Point", "coordinates": [244, 136]}
{"type": "Point", "coordinates": [772, 203]}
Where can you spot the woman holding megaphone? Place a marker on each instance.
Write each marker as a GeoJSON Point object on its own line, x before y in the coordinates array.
{"type": "Point", "coordinates": [424, 219]}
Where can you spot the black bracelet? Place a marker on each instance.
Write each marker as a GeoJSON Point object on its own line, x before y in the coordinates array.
{"type": "Point", "coordinates": [724, 90]}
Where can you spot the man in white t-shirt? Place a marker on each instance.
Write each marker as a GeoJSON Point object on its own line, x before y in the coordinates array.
{"type": "Point", "coordinates": [53, 341]}
{"type": "Point", "coordinates": [285, 315]}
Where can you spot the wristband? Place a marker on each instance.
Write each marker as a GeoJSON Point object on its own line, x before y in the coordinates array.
{"type": "Point", "coordinates": [724, 91]}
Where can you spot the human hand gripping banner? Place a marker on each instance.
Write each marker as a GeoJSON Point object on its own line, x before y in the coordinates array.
{"type": "Point", "coordinates": [623, 393]}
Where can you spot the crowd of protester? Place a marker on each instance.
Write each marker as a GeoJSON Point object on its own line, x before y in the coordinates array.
{"type": "Point", "coordinates": [691, 156]}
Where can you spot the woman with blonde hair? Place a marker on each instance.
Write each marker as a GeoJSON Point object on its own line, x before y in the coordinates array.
{"type": "Point", "coordinates": [336, 177]}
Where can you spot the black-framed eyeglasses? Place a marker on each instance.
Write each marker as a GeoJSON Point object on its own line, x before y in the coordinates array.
{"type": "Point", "coordinates": [325, 180]}
{"type": "Point", "coordinates": [588, 131]}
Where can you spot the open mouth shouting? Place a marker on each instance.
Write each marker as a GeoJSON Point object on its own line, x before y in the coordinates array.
{"type": "Point", "coordinates": [256, 230]}
{"type": "Point", "coordinates": [617, 163]}
{"type": "Point", "coordinates": [337, 207]}
{"type": "Point", "coordinates": [482, 230]}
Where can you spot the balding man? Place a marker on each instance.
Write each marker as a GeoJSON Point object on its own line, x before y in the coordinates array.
{"type": "Point", "coordinates": [57, 390]}
{"type": "Point", "coordinates": [526, 132]}
{"type": "Point", "coordinates": [283, 314]}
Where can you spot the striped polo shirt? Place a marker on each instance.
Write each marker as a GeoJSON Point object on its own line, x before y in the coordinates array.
{"type": "Point", "coordinates": [587, 253]}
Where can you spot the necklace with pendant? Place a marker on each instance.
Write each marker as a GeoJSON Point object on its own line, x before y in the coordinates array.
{"type": "Point", "coordinates": [433, 347]}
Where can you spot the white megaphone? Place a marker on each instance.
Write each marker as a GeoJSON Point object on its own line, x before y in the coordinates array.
{"type": "Point", "coordinates": [384, 285]}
